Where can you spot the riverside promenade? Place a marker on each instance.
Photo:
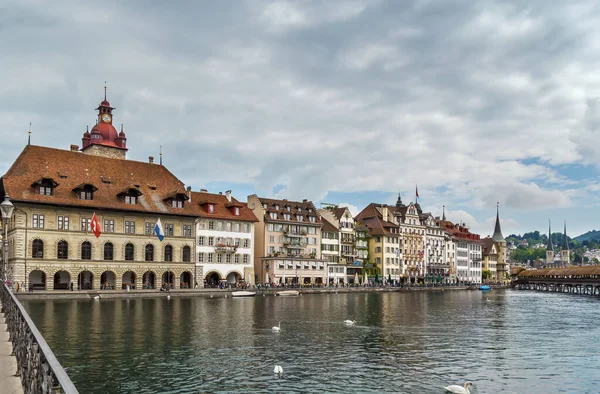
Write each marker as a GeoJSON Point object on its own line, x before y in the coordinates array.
{"type": "Point", "coordinates": [225, 293]}
{"type": "Point", "coordinates": [9, 383]}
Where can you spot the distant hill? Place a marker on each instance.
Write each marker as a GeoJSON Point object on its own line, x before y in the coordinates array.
{"type": "Point", "coordinates": [593, 235]}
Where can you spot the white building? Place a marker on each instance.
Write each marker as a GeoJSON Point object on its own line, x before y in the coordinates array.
{"type": "Point", "coordinates": [434, 259]}
{"type": "Point", "coordinates": [224, 239]}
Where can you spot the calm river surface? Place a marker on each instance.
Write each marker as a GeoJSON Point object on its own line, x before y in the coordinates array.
{"type": "Point", "coordinates": [503, 341]}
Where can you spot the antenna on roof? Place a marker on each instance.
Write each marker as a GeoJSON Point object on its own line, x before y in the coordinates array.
{"type": "Point", "coordinates": [161, 155]}
{"type": "Point", "coordinates": [29, 132]}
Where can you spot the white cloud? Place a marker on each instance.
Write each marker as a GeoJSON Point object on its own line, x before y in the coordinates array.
{"type": "Point", "coordinates": [354, 210]}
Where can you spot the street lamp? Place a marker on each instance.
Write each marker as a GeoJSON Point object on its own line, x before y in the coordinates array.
{"type": "Point", "coordinates": [7, 209]}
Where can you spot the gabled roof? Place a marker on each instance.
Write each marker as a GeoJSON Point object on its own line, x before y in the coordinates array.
{"type": "Point", "coordinates": [371, 217]}
{"type": "Point", "coordinates": [70, 168]}
{"type": "Point", "coordinates": [328, 227]}
{"type": "Point", "coordinates": [488, 243]}
{"type": "Point", "coordinates": [222, 207]}
{"type": "Point", "coordinates": [305, 205]}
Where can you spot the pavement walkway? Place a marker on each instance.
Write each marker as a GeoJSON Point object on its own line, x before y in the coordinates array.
{"type": "Point", "coordinates": [9, 383]}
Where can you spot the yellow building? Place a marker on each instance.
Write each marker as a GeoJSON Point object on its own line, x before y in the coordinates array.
{"type": "Point", "coordinates": [494, 253]}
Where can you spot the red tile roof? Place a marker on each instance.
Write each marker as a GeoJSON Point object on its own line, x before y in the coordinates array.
{"type": "Point", "coordinates": [373, 219]}
{"type": "Point", "coordinates": [329, 227]}
{"type": "Point", "coordinates": [294, 205]}
{"type": "Point", "coordinates": [111, 176]}
{"type": "Point", "coordinates": [223, 208]}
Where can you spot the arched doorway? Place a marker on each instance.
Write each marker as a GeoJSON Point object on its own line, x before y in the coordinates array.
{"type": "Point", "coordinates": [108, 280]}
{"type": "Point", "coordinates": [212, 279]}
{"type": "Point", "coordinates": [128, 280]}
{"type": "Point", "coordinates": [62, 280]}
{"type": "Point", "coordinates": [37, 279]}
{"type": "Point", "coordinates": [168, 277]}
{"type": "Point", "coordinates": [233, 278]}
{"type": "Point", "coordinates": [85, 280]}
{"type": "Point", "coordinates": [185, 281]}
{"type": "Point", "coordinates": [149, 280]}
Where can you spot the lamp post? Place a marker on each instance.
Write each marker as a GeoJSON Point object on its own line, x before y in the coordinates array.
{"type": "Point", "coordinates": [7, 209]}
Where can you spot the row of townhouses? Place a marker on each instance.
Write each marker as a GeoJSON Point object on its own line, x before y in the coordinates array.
{"type": "Point", "coordinates": [210, 238]}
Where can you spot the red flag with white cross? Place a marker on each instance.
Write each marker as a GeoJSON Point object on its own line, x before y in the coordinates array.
{"type": "Point", "coordinates": [96, 226]}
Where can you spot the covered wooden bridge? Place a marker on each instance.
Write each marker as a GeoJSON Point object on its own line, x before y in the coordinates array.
{"type": "Point", "coordinates": [575, 280]}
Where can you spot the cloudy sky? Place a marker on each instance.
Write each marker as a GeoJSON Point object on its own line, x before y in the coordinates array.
{"type": "Point", "coordinates": [336, 101]}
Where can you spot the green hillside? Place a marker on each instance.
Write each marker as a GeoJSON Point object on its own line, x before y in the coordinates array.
{"type": "Point", "coordinates": [593, 235]}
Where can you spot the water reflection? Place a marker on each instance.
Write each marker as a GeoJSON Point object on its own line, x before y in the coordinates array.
{"type": "Point", "coordinates": [402, 342]}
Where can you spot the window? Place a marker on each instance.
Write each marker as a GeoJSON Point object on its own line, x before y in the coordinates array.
{"type": "Point", "coordinates": [236, 227]}
{"type": "Point", "coordinates": [219, 226]}
{"type": "Point", "coordinates": [177, 203]}
{"type": "Point", "coordinates": [211, 225]}
{"type": "Point", "coordinates": [149, 228]}
{"type": "Point", "coordinates": [273, 215]}
{"type": "Point", "coordinates": [299, 209]}
{"type": "Point", "coordinates": [108, 251]}
{"type": "Point", "coordinates": [300, 218]}
{"type": "Point", "coordinates": [187, 230]}
{"type": "Point", "coordinates": [86, 224]}
{"type": "Point", "coordinates": [169, 229]}
{"type": "Point", "coordinates": [46, 190]}
{"type": "Point", "coordinates": [129, 252]}
{"type": "Point", "coordinates": [219, 258]}
{"type": "Point", "coordinates": [236, 211]}
{"type": "Point", "coordinates": [312, 219]}
{"type": "Point", "coordinates": [228, 258]}
{"type": "Point", "coordinates": [62, 250]}
{"type": "Point", "coordinates": [37, 249]}
{"type": "Point", "coordinates": [287, 216]}
{"type": "Point", "coordinates": [186, 254]}
{"type": "Point", "coordinates": [228, 226]}
{"type": "Point", "coordinates": [200, 241]}
{"type": "Point", "coordinates": [210, 257]}
{"type": "Point", "coordinates": [109, 226]}
{"type": "Point", "coordinates": [63, 222]}
{"type": "Point", "coordinates": [246, 228]}
{"type": "Point", "coordinates": [87, 193]}
{"type": "Point", "coordinates": [129, 227]}
{"type": "Point", "coordinates": [201, 257]}
{"type": "Point", "coordinates": [86, 251]}
{"type": "Point", "coordinates": [211, 241]}
{"type": "Point", "coordinates": [130, 199]}
{"type": "Point", "coordinates": [211, 208]}
{"type": "Point", "coordinates": [246, 243]}
{"type": "Point", "coordinates": [149, 253]}
{"type": "Point", "coordinates": [168, 253]}
{"type": "Point", "coordinates": [37, 221]}
{"type": "Point", "coordinates": [271, 238]}
{"type": "Point", "coordinates": [276, 207]}
{"type": "Point", "coordinates": [236, 259]}
{"type": "Point", "coordinates": [245, 259]}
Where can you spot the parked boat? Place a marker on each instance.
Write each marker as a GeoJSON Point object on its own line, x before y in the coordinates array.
{"type": "Point", "coordinates": [484, 287]}
{"type": "Point", "coordinates": [243, 294]}
{"type": "Point", "coordinates": [288, 293]}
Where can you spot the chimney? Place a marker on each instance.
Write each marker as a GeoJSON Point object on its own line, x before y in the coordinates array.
{"type": "Point", "coordinates": [228, 195]}
{"type": "Point", "coordinates": [305, 201]}
{"type": "Point", "coordinates": [151, 159]}
{"type": "Point", "coordinates": [74, 148]}
{"type": "Point", "coordinates": [220, 193]}
{"type": "Point", "coordinates": [203, 191]}
{"type": "Point", "coordinates": [189, 193]}
{"type": "Point", "coordinates": [384, 212]}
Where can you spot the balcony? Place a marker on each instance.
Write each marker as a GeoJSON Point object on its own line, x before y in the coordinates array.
{"type": "Point", "coordinates": [290, 233]}
{"type": "Point", "coordinates": [295, 245]}
{"type": "Point", "coordinates": [222, 248]}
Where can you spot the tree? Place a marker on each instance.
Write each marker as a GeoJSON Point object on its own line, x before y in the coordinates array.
{"type": "Point", "coordinates": [595, 261]}
{"type": "Point", "coordinates": [486, 274]}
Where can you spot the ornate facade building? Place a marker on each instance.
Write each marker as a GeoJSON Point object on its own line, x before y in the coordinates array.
{"type": "Point", "coordinates": [56, 192]}
{"type": "Point", "coordinates": [288, 241]}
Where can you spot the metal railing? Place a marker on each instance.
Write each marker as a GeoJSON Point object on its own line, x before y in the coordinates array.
{"type": "Point", "coordinates": [37, 366]}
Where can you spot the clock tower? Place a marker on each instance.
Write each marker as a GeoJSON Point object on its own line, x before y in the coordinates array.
{"type": "Point", "coordinates": [103, 139]}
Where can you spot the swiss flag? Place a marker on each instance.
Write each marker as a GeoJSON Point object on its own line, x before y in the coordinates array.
{"type": "Point", "coordinates": [96, 226]}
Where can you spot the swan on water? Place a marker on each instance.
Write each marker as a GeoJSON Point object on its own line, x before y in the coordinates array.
{"type": "Point", "coordinates": [459, 390]}
{"type": "Point", "coordinates": [278, 369]}
{"type": "Point", "coordinates": [211, 296]}
{"type": "Point", "coordinates": [276, 328]}
{"type": "Point", "coordinates": [97, 297]}
{"type": "Point", "coordinates": [168, 296]}
{"type": "Point", "coordinates": [350, 322]}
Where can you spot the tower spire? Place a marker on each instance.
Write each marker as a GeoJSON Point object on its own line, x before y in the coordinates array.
{"type": "Point", "coordinates": [549, 246]}
{"type": "Point", "coordinates": [498, 237]}
{"type": "Point", "coordinates": [29, 135]}
{"type": "Point", "coordinates": [565, 241]}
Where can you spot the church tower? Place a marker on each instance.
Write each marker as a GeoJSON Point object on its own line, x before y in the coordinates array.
{"type": "Point", "coordinates": [103, 139]}
{"type": "Point", "coordinates": [564, 251]}
{"type": "Point", "coordinates": [498, 238]}
{"type": "Point", "coordinates": [549, 248]}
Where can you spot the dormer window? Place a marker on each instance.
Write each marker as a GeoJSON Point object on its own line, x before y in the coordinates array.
{"type": "Point", "coordinates": [176, 200]}
{"type": "Point", "coordinates": [45, 186]}
{"type": "Point", "coordinates": [177, 203]}
{"type": "Point", "coordinates": [309, 209]}
{"type": "Point", "coordinates": [287, 216]}
{"type": "Point", "coordinates": [211, 208]}
{"type": "Point", "coordinates": [300, 218]}
{"type": "Point", "coordinates": [131, 200]}
{"type": "Point", "coordinates": [130, 195]}
{"type": "Point", "coordinates": [236, 211]}
{"type": "Point", "coordinates": [85, 191]}
{"type": "Point", "coordinates": [312, 219]}
{"type": "Point", "coordinates": [276, 207]}
{"type": "Point", "coordinates": [266, 206]}
{"type": "Point", "coordinates": [299, 209]}
{"type": "Point", "coordinates": [288, 208]}
{"type": "Point", "coordinates": [273, 215]}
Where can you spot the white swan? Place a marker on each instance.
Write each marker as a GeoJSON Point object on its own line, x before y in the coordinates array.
{"type": "Point", "coordinates": [278, 370]}
{"type": "Point", "coordinates": [97, 297]}
{"type": "Point", "coordinates": [349, 322]}
{"type": "Point", "coordinates": [168, 296]}
{"type": "Point", "coordinates": [276, 328]}
{"type": "Point", "coordinates": [459, 390]}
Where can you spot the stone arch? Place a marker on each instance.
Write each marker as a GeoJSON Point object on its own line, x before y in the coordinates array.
{"type": "Point", "coordinates": [37, 279]}
{"type": "Point", "coordinates": [212, 278]}
{"type": "Point", "coordinates": [85, 280]}
{"type": "Point", "coordinates": [234, 277]}
{"type": "Point", "coordinates": [168, 277]}
{"type": "Point", "coordinates": [108, 280]}
{"type": "Point", "coordinates": [149, 280]}
{"type": "Point", "coordinates": [185, 280]}
{"type": "Point", "coordinates": [62, 280]}
{"type": "Point", "coordinates": [128, 278]}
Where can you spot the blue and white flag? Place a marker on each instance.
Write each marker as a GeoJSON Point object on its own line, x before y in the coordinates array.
{"type": "Point", "coordinates": [158, 230]}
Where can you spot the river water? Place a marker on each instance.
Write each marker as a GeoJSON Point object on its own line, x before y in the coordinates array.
{"type": "Point", "coordinates": [417, 342]}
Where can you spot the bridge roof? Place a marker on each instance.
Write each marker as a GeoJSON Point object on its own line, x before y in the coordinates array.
{"type": "Point", "coordinates": [589, 270]}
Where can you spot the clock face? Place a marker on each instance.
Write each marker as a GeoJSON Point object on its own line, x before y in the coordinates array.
{"type": "Point", "coordinates": [106, 118]}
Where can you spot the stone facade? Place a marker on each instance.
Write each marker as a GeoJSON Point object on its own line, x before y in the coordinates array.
{"type": "Point", "coordinates": [105, 151]}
